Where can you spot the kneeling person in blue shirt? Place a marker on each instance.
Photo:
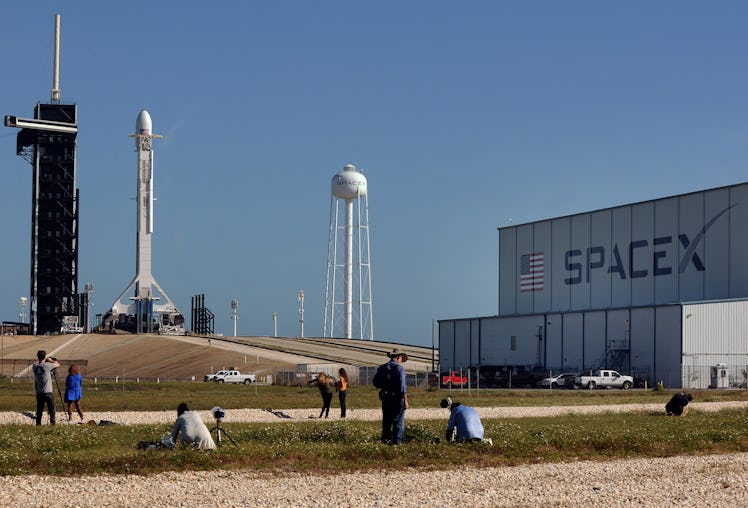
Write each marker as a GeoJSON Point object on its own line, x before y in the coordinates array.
{"type": "Point", "coordinates": [464, 423]}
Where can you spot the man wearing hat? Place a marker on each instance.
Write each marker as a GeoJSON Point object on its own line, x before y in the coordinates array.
{"type": "Point", "coordinates": [464, 423]}
{"type": "Point", "coordinates": [394, 399]}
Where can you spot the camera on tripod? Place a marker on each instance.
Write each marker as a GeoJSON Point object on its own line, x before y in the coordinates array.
{"type": "Point", "coordinates": [218, 413]}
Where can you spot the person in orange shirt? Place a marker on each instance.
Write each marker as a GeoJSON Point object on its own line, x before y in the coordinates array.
{"type": "Point", "coordinates": [342, 387]}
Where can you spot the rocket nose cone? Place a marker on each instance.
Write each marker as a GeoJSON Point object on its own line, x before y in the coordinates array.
{"type": "Point", "coordinates": [143, 124]}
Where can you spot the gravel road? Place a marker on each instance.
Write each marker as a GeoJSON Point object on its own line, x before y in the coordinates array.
{"type": "Point", "coordinates": [676, 481]}
{"type": "Point", "coordinates": [713, 480]}
{"type": "Point", "coordinates": [284, 415]}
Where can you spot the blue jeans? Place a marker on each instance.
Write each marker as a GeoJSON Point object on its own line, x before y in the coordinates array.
{"type": "Point", "coordinates": [393, 419]}
{"type": "Point", "coordinates": [326, 400]}
{"type": "Point", "coordinates": [341, 397]}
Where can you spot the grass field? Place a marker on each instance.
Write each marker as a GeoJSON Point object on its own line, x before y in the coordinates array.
{"type": "Point", "coordinates": [333, 446]}
{"type": "Point", "coordinates": [150, 396]}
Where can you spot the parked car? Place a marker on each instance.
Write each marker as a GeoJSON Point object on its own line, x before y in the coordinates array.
{"type": "Point", "coordinates": [212, 377]}
{"type": "Point", "coordinates": [230, 376]}
{"type": "Point", "coordinates": [454, 378]}
{"type": "Point", "coordinates": [560, 380]}
{"type": "Point", "coordinates": [604, 379]}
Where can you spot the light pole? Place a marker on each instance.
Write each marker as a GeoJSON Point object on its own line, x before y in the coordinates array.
{"type": "Point", "coordinates": [89, 291]}
{"type": "Point", "coordinates": [301, 314]}
{"type": "Point", "coordinates": [22, 304]}
{"type": "Point", "coordinates": [234, 313]}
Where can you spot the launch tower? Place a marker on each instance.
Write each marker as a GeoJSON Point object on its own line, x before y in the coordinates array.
{"type": "Point", "coordinates": [48, 142]}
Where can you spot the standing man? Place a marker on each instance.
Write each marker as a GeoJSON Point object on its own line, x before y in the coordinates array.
{"type": "Point", "coordinates": [394, 396]}
{"type": "Point", "coordinates": [43, 385]}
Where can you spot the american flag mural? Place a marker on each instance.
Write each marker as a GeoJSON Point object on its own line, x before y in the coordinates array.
{"type": "Point", "coordinates": [531, 272]}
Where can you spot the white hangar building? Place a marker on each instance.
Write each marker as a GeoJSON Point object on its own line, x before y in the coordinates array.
{"type": "Point", "coordinates": [657, 289]}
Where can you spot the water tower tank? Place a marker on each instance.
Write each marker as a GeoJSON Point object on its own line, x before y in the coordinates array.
{"type": "Point", "coordinates": [349, 183]}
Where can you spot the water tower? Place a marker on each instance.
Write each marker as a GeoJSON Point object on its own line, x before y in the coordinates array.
{"type": "Point", "coordinates": [348, 283]}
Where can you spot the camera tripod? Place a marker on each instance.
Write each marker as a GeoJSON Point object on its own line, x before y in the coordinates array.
{"type": "Point", "coordinates": [220, 433]}
{"type": "Point", "coordinates": [59, 392]}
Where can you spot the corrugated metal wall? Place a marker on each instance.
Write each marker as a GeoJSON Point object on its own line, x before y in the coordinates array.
{"type": "Point", "coordinates": [644, 342]}
{"type": "Point", "coordinates": [715, 333]}
{"type": "Point", "coordinates": [684, 248]}
{"type": "Point", "coordinates": [446, 344]}
{"type": "Point", "coordinates": [715, 326]}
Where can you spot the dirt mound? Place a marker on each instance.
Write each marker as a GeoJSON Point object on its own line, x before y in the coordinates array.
{"type": "Point", "coordinates": [182, 358]}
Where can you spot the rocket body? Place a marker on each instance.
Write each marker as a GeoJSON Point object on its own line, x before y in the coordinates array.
{"type": "Point", "coordinates": [144, 146]}
{"type": "Point", "coordinates": [149, 301]}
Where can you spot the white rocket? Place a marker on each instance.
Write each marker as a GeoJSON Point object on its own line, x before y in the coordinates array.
{"type": "Point", "coordinates": [144, 282]}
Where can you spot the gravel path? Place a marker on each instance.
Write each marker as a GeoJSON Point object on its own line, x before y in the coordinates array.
{"type": "Point", "coordinates": [714, 480]}
{"type": "Point", "coordinates": [285, 415]}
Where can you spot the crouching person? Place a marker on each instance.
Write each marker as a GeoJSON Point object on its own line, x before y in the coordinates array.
{"type": "Point", "coordinates": [464, 423]}
{"type": "Point", "coordinates": [191, 430]}
{"type": "Point", "coordinates": [678, 404]}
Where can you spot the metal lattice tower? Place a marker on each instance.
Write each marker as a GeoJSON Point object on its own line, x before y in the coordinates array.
{"type": "Point", "coordinates": [348, 297]}
{"type": "Point", "coordinates": [48, 142]}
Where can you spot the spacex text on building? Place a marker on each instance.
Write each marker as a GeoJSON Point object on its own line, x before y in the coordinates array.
{"type": "Point", "coordinates": [638, 266]}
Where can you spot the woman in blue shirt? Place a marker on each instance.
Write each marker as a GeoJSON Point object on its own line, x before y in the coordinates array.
{"type": "Point", "coordinates": [73, 392]}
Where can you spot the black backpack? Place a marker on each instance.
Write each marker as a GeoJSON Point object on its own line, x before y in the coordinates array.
{"type": "Point", "coordinates": [386, 378]}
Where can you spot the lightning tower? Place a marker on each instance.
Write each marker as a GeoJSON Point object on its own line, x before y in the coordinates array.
{"type": "Point", "coordinates": [348, 282]}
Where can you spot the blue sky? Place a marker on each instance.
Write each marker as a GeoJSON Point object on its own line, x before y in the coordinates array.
{"type": "Point", "coordinates": [465, 115]}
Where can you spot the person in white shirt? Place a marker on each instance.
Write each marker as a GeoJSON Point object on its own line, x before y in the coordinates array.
{"type": "Point", "coordinates": [192, 430]}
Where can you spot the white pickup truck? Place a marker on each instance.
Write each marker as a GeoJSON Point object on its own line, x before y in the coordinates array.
{"type": "Point", "coordinates": [230, 376]}
{"type": "Point", "coordinates": [604, 379]}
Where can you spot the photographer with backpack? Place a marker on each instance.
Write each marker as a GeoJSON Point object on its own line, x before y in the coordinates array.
{"type": "Point", "coordinates": [43, 385]}
{"type": "Point", "coordinates": [390, 379]}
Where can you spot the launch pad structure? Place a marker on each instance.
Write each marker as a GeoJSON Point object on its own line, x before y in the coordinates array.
{"type": "Point", "coordinates": [48, 142]}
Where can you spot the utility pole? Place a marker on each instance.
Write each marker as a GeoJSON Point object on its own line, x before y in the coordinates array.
{"type": "Point", "coordinates": [301, 314]}
{"type": "Point", "coordinates": [89, 291]}
{"type": "Point", "coordinates": [433, 324]}
{"type": "Point", "coordinates": [234, 313]}
{"type": "Point", "coordinates": [22, 304]}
